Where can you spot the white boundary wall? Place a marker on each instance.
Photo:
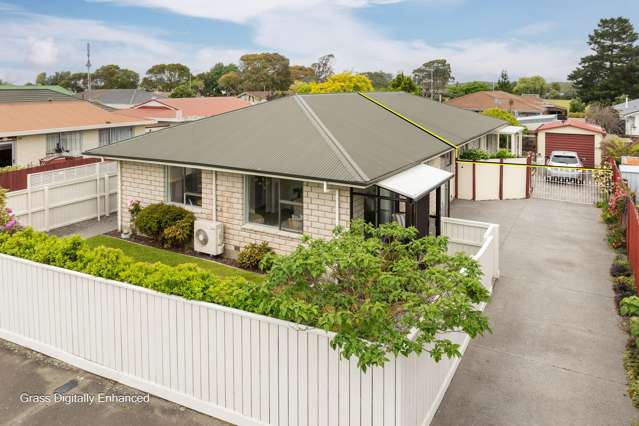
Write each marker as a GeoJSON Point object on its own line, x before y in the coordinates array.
{"type": "Point", "coordinates": [487, 180]}
{"type": "Point", "coordinates": [244, 368]}
{"type": "Point", "coordinates": [63, 197]}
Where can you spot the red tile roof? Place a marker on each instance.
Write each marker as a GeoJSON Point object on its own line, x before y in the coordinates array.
{"type": "Point", "coordinates": [38, 117]}
{"type": "Point", "coordinates": [571, 122]}
{"type": "Point", "coordinates": [480, 101]}
{"type": "Point", "coordinates": [185, 108]}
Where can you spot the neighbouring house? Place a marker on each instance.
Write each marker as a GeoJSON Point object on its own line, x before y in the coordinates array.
{"type": "Point", "coordinates": [571, 135]}
{"type": "Point", "coordinates": [520, 106]}
{"type": "Point", "coordinates": [35, 130]}
{"type": "Point", "coordinates": [304, 164]}
{"type": "Point", "coordinates": [255, 97]}
{"type": "Point", "coordinates": [177, 110]}
{"type": "Point", "coordinates": [10, 93]}
{"type": "Point", "coordinates": [629, 113]}
{"type": "Point", "coordinates": [120, 98]}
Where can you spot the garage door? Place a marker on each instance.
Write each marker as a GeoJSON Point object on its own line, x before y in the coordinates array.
{"type": "Point", "coordinates": [583, 145]}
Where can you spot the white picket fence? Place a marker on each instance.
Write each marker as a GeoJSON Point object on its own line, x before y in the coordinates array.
{"type": "Point", "coordinates": [244, 368]}
{"type": "Point", "coordinates": [66, 196]}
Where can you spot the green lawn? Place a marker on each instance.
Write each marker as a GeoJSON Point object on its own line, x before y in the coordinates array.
{"type": "Point", "coordinates": [564, 103]}
{"type": "Point", "coordinates": [143, 253]}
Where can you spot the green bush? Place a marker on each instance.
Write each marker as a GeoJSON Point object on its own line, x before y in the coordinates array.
{"type": "Point", "coordinates": [577, 105]}
{"type": "Point", "coordinates": [154, 220]}
{"type": "Point", "coordinates": [504, 153]}
{"type": "Point", "coordinates": [252, 255]}
{"type": "Point", "coordinates": [576, 114]}
{"type": "Point", "coordinates": [631, 365]}
{"type": "Point", "coordinates": [616, 236]}
{"type": "Point", "coordinates": [629, 306]}
{"type": "Point", "coordinates": [474, 154]}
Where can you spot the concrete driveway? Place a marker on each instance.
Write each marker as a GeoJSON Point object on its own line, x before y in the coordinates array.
{"type": "Point", "coordinates": [555, 354]}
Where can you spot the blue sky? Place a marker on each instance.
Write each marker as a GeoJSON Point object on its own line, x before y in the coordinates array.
{"type": "Point", "coordinates": [479, 38]}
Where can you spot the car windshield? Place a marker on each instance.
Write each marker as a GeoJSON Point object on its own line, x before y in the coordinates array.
{"type": "Point", "coordinates": [564, 159]}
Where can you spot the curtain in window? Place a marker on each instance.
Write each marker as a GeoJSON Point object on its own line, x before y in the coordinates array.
{"type": "Point", "coordinates": [105, 137]}
{"type": "Point", "coordinates": [71, 143]}
{"type": "Point", "coordinates": [115, 134]}
{"type": "Point", "coordinates": [52, 142]}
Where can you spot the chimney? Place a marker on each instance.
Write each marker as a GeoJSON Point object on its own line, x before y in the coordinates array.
{"type": "Point", "coordinates": [178, 114]}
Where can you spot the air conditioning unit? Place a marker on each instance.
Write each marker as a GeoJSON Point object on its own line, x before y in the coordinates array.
{"type": "Point", "coordinates": [208, 237]}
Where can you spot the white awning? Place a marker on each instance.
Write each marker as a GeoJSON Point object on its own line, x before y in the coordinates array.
{"type": "Point", "coordinates": [510, 130]}
{"type": "Point", "coordinates": [416, 182]}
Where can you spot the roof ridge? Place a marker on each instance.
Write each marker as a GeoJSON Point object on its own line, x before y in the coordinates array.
{"type": "Point", "coordinates": [331, 140]}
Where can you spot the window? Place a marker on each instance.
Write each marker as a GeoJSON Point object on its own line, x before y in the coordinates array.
{"type": "Point", "coordinates": [115, 134]}
{"type": "Point", "coordinates": [377, 205]}
{"type": "Point", "coordinates": [67, 143]}
{"type": "Point", "coordinates": [275, 202]}
{"type": "Point", "coordinates": [184, 186]}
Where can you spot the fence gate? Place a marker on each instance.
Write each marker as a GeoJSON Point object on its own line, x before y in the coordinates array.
{"type": "Point", "coordinates": [570, 185]}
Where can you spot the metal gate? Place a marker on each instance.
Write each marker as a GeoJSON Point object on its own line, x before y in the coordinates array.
{"type": "Point", "coordinates": [570, 185]}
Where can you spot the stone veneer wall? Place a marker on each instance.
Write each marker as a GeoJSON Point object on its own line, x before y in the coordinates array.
{"type": "Point", "coordinates": [146, 183]}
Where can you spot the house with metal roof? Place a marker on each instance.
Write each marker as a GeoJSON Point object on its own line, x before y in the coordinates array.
{"type": "Point", "coordinates": [629, 113]}
{"type": "Point", "coordinates": [303, 164]}
{"type": "Point", "coordinates": [38, 124]}
{"type": "Point", "coordinates": [520, 106]}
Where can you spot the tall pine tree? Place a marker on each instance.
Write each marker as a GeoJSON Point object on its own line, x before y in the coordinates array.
{"type": "Point", "coordinates": [612, 69]}
{"type": "Point", "coordinates": [504, 82]}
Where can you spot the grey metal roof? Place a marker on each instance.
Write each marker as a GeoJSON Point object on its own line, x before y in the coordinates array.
{"type": "Point", "coordinates": [633, 106]}
{"type": "Point", "coordinates": [10, 95]}
{"type": "Point", "coordinates": [342, 138]}
{"type": "Point", "coordinates": [121, 96]}
{"type": "Point", "coordinates": [456, 125]}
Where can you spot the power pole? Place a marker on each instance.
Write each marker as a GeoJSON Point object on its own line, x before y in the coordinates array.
{"type": "Point", "coordinates": [88, 65]}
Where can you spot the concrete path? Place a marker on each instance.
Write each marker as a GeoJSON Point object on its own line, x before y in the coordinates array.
{"type": "Point", "coordinates": [555, 354]}
{"type": "Point", "coordinates": [89, 228]}
{"type": "Point", "coordinates": [30, 373]}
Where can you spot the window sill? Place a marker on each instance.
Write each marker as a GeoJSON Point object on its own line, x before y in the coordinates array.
{"type": "Point", "coordinates": [270, 230]}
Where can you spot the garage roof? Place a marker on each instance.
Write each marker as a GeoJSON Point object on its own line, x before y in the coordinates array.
{"type": "Point", "coordinates": [343, 138]}
{"type": "Point", "coordinates": [571, 123]}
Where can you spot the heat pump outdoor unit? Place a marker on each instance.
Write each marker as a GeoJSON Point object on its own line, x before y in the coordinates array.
{"type": "Point", "coordinates": [208, 237]}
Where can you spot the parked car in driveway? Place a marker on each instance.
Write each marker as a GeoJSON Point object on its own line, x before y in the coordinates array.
{"type": "Point", "coordinates": [567, 167]}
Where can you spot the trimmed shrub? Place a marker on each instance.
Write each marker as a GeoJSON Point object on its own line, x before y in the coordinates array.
{"type": "Point", "coordinates": [474, 154]}
{"type": "Point", "coordinates": [154, 220]}
{"type": "Point", "coordinates": [504, 153]}
{"type": "Point", "coordinates": [251, 255]}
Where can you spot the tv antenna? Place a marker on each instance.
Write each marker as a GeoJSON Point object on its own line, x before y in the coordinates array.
{"type": "Point", "coordinates": [88, 65]}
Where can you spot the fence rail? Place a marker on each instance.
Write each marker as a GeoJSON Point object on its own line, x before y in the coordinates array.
{"type": "Point", "coordinates": [62, 197]}
{"type": "Point", "coordinates": [17, 179]}
{"type": "Point", "coordinates": [241, 367]}
{"type": "Point", "coordinates": [631, 222]}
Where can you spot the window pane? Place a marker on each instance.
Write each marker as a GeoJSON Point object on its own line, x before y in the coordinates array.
{"type": "Point", "coordinates": [53, 140]}
{"type": "Point", "coordinates": [176, 184]}
{"type": "Point", "coordinates": [291, 218]}
{"type": "Point", "coordinates": [386, 209]}
{"type": "Point", "coordinates": [358, 206]}
{"type": "Point", "coordinates": [193, 187]}
{"type": "Point", "coordinates": [263, 200]}
{"type": "Point", "coordinates": [370, 210]}
{"type": "Point", "coordinates": [291, 190]}
{"type": "Point", "coordinates": [105, 137]}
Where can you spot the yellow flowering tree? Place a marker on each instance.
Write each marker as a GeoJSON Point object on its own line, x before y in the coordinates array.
{"type": "Point", "coordinates": [342, 82]}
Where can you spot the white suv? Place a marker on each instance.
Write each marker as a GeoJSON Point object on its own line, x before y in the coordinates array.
{"type": "Point", "coordinates": [565, 163]}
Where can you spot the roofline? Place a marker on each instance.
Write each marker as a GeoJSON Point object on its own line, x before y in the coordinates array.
{"type": "Point", "coordinates": [136, 106]}
{"type": "Point", "coordinates": [73, 129]}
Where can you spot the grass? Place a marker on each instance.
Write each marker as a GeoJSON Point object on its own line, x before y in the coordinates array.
{"type": "Point", "coordinates": [142, 253]}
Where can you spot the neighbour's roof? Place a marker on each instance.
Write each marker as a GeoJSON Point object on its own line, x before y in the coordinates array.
{"type": "Point", "coordinates": [571, 123]}
{"type": "Point", "coordinates": [13, 94]}
{"type": "Point", "coordinates": [120, 96]}
{"type": "Point", "coordinates": [480, 101]}
{"type": "Point", "coordinates": [633, 106]}
{"type": "Point", "coordinates": [185, 108]}
{"type": "Point", "coordinates": [342, 138]}
{"type": "Point", "coordinates": [43, 117]}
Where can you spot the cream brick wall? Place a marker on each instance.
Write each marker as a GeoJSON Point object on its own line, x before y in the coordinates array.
{"type": "Point", "coordinates": [146, 183]}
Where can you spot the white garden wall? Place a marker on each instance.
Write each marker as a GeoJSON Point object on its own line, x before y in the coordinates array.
{"type": "Point", "coordinates": [244, 368]}
{"type": "Point", "coordinates": [482, 181]}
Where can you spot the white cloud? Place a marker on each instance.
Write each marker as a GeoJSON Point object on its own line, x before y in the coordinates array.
{"type": "Point", "coordinates": [301, 30]}
{"type": "Point", "coordinates": [537, 28]}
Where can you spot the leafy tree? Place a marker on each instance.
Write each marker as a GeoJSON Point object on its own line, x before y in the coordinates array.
{"type": "Point", "coordinates": [613, 67]}
{"type": "Point", "coordinates": [210, 78]}
{"type": "Point", "coordinates": [343, 82]}
{"type": "Point", "coordinates": [404, 83]}
{"type": "Point", "coordinates": [230, 84]}
{"type": "Point", "coordinates": [76, 82]}
{"type": "Point", "coordinates": [166, 77]}
{"type": "Point", "coordinates": [535, 85]}
{"type": "Point", "coordinates": [41, 79]}
{"type": "Point", "coordinates": [302, 73]}
{"type": "Point", "coordinates": [501, 115]}
{"type": "Point", "coordinates": [186, 90]}
{"type": "Point", "coordinates": [461, 89]}
{"type": "Point", "coordinates": [437, 72]}
{"type": "Point", "coordinates": [376, 286]}
{"type": "Point", "coordinates": [381, 80]}
{"type": "Point", "coordinates": [504, 84]}
{"type": "Point", "coordinates": [323, 68]}
{"type": "Point", "coordinates": [577, 105]}
{"type": "Point", "coordinates": [615, 147]}
{"type": "Point", "coordinates": [606, 117]}
{"type": "Point", "coordinates": [265, 71]}
{"type": "Point", "coordinates": [114, 77]}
